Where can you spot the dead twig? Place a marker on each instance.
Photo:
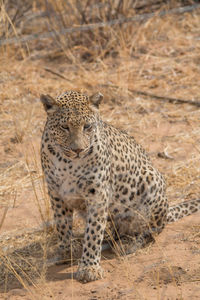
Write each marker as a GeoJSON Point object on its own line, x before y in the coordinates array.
{"type": "Point", "coordinates": [156, 97]}
{"type": "Point", "coordinates": [3, 217]}
{"type": "Point", "coordinates": [63, 31]}
{"type": "Point", "coordinates": [168, 99]}
{"type": "Point", "coordinates": [56, 73]}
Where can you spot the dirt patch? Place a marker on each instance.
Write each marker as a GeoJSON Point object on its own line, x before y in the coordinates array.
{"type": "Point", "coordinates": [169, 267]}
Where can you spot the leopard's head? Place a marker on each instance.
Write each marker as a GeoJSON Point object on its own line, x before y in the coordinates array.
{"type": "Point", "coordinates": [72, 120]}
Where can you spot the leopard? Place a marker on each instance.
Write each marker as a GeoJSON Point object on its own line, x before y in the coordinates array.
{"type": "Point", "coordinates": [101, 171]}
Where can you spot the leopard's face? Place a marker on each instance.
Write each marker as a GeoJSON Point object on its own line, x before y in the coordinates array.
{"type": "Point", "coordinates": [72, 122]}
{"type": "Point", "coordinates": [72, 134]}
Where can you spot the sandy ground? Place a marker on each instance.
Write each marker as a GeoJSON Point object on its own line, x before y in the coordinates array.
{"type": "Point", "coordinates": [168, 269]}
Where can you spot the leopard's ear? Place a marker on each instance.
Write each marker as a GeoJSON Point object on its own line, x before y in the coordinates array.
{"type": "Point", "coordinates": [96, 99]}
{"type": "Point", "coordinates": [48, 102]}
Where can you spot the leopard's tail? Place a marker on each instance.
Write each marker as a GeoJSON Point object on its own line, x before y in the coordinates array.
{"type": "Point", "coordinates": [183, 209]}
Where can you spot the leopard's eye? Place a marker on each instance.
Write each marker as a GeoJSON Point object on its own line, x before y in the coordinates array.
{"type": "Point", "coordinates": [65, 127]}
{"type": "Point", "coordinates": [87, 126]}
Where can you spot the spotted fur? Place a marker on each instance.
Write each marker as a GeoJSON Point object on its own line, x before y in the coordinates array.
{"type": "Point", "coordinates": [91, 166]}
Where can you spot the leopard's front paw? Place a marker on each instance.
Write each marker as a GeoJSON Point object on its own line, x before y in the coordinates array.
{"type": "Point", "coordinates": [89, 273]}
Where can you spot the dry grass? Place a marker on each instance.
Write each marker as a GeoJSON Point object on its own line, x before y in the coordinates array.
{"type": "Point", "coordinates": [160, 56]}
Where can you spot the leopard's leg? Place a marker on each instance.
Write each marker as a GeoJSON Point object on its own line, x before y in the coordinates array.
{"type": "Point", "coordinates": [133, 238]}
{"type": "Point", "coordinates": [89, 267]}
{"type": "Point", "coordinates": [63, 218]}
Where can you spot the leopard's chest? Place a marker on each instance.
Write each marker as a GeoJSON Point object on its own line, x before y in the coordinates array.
{"type": "Point", "coordinates": [69, 180]}
{"type": "Point", "coordinates": [59, 170]}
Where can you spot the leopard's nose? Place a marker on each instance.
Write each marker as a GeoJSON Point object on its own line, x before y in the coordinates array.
{"type": "Point", "coordinates": [78, 150]}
